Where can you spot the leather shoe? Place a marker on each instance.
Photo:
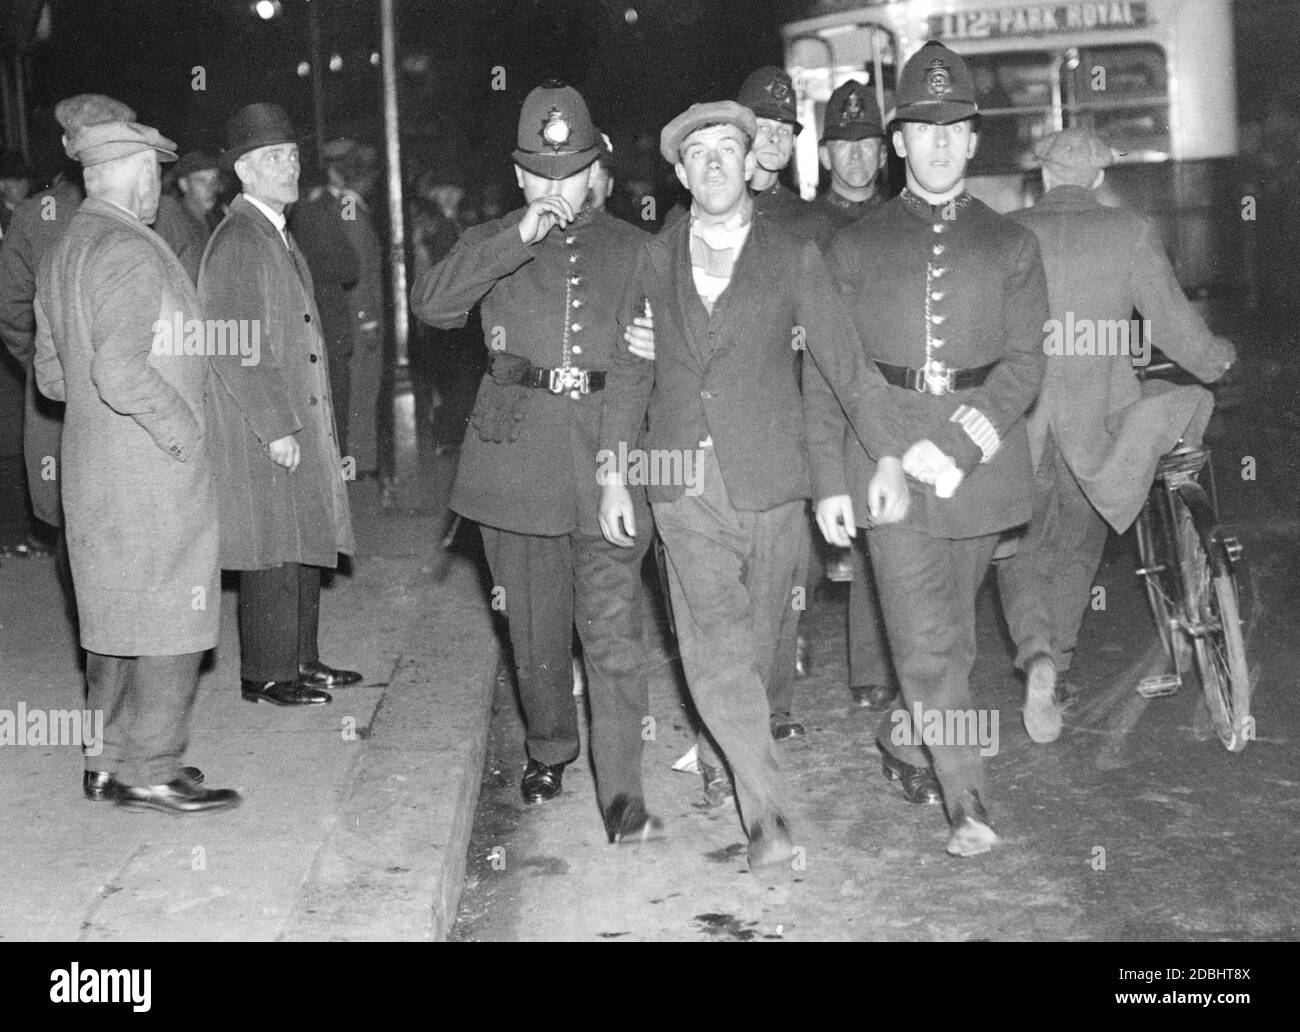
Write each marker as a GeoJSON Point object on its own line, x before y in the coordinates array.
{"type": "Point", "coordinates": [971, 832]}
{"type": "Point", "coordinates": [180, 796]}
{"type": "Point", "coordinates": [785, 727]}
{"type": "Point", "coordinates": [874, 697]}
{"type": "Point", "coordinates": [920, 785]}
{"type": "Point", "coordinates": [1042, 712]}
{"type": "Point", "coordinates": [283, 693]}
{"type": "Point", "coordinates": [100, 786]}
{"type": "Point", "coordinates": [541, 782]}
{"type": "Point", "coordinates": [626, 820]}
{"type": "Point", "coordinates": [317, 675]}
{"type": "Point", "coordinates": [769, 842]}
{"type": "Point", "coordinates": [718, 790]}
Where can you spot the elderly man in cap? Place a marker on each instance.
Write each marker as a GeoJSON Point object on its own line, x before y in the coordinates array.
{"type": "Point", "coordinates": [137, 483]}
{"type": "Point", "coordinates": [1096, 433]}
{"type": "Point", "coordinates": [284, 505]}
{"type": "Point", "coordinates": [183, 218]}
{"type": "Point", "coordinates": [37, 225]}
{"type": "Point", "coordinates": [730, 292]}
{"type": "Point", "coordinates": [549, 278]}
{"type": "Point", "coordinates": [949, 300]}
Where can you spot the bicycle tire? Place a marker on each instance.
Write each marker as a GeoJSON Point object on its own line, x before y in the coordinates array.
{"type": "Point", "coordinates": [1212, 610]}
{"type": "Point", "coordinates": [1164, 589]}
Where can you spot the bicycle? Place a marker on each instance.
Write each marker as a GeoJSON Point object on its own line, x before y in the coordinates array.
{"type": "Point", "coordinates": [1189, 561]}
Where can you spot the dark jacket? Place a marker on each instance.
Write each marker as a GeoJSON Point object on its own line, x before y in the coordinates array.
{"type": "Point", "coordinates": [540, 476]}
{"type": "Point", "coordinates": [184, 234]}
{"type": "Point", "coordinates": [729, 375]}
{"type": "Point", "coordinates": [987, 303]}
{"type": "Point", "coordinates": [269, 515]}
{"type": "Point", "coordinates": [335, 269]}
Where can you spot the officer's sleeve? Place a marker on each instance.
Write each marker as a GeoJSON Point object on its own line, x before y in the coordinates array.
{"type": "Point", "coordinates": [1176, 328]}
{"type": "Point", "coordinates": [122, 291]}
{"type": "Point", "coordinates": [18, 284]}
{"type": "Point", "coordinates": [838, 378]}
{"type": "Point", "coordinates": [630, 379]}
{"type": "Point", "coordinates": [47, 365]}
{"type": "Point", "coordinates": [973, 432]}
{"type": "Point", "coordinates": [443, 295]}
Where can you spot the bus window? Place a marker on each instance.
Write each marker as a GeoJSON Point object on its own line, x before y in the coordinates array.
{"type": "Point", "coordinates": [1016, 95]}
{"type": "Point", "coordinates": [1122, 94]}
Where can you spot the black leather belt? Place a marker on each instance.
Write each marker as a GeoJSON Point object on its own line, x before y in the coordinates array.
{"type": "Point", "coordinates": [935, 377]}
{"type": "Point", "coordinates": [557, 381]}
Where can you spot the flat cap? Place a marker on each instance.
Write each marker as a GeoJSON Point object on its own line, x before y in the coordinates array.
{"type": "Point", "coordinates": [108, 141]}
{"type": "Point", "coordinates": [195, 161]}
{"type": "Point", "coordinates": [1075, 149]}
{"type": "Point", "coordinates": [717, 112]}
{"type": "Point", "coordinates": [73, 113]}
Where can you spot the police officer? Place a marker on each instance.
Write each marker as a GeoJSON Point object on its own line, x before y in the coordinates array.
{"type": "Point", "coordinates": [949, 299]}
{"type": "Point", "coordinates": [853, 151]}
{"type": "Point", "coordinates": [549, 278]}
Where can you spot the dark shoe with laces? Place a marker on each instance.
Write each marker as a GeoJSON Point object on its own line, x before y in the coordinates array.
{"type": "Point", "coordinates": [100, 786]}
{"type": "Point", "coordinates": [178, 797]}
{"type": "Point", "coordinates": [920, 785]}
{"type": "Point", "coordinates": [874, 697]}
{"type": "Point", "coordinates": [283, 693]}
{"type": "Point", "coordinates": [785, 727]}
{"type": "Point", "coordinates": [627, 821]}
{"type": "Point", "coordinates": [972, 834]}
{"type": "Point", "coordinates": [317, 675]}
{"type": "Point", "coordinates": [541, 783]}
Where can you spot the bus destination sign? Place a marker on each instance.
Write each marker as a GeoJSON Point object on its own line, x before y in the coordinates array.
{"type": "Point", "coordinates": [1038, 19]}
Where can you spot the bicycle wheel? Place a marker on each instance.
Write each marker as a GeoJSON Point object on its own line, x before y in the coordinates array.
{"type": "Point", "coordinates": [1213, 615]}
{"type": "Point", "coordinates": [1163, 585]}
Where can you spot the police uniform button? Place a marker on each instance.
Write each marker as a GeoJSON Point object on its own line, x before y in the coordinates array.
{"type": "Point", "coordinates": [570, 239]}
{"type": "Point", "coordinates": [938, 227]}
{"type": "Point", "coordinates": [575, 395]}
{"type": "Point", "coordinates": [937, 342]}
{"type": "Point", "coordinates": [575, 280]}
{"type": "Point", "coordinates": [576, 349]}
{"type": "Point", "coordinates": [576, 327]}
{"type": "Point", "coordinates": [938, 271]}
{"type": "Point", "coordinates": [313, 358]}
{"type": "Point", "coordinates": [706, 395]}
{"type": "Point", "coordinates": [573, 258]}
{"type": "Point", "coordinates": [936, 295]}
{"type": "Point", "coordinates": [937, 249]}
{"type": "Point", "coordinates": [937, 319]}
{"type": "Point", "coordinates": [577, 302]}
{"type": "Point", "coordinates": [313, 400]}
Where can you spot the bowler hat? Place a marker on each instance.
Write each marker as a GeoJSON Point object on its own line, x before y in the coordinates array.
{"type": "Point", "coordinates": [935, 86]}
{"type": "Point", "coordinates": [717, 112]}
{"type": "Point", "coordinates": [852, 114]}
{"type": "Point", "coordinates": [769, 93]}
{"type": "Point", "coordinates": [556, 138]}
{"type": "Point", "coordinates": [257, 125]}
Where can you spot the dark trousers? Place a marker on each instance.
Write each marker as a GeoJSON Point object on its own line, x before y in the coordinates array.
{"type": "Point", "coordinates": [1045, 586]}
{"type": "Point", "coordinates": [869, 661]}
{"type": "Point", "coordinates": [729, 574]}
{"type": "Point", "coordinates": [279, 616]}
{"type": "Point", "coordinates": [146, 702]}
{"type": "Point", "coordinates": [927, 589]}
{"type": "Point", "coordinates": [549, 585]}
{"type": "Point", "coordinates": [780, 686]}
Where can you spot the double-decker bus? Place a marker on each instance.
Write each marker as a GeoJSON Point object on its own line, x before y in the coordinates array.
{"type": "Point", "coordinates": [1154, 78]}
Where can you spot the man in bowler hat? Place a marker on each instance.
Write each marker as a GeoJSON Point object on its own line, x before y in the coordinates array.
{"type": "Point", "coordinates": [284, 507]}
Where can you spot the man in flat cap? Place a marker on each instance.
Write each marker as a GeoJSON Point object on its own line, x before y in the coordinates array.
{"type": "Point", "coordinates": [731, 293]}
{"type": "Point", "coordinates": [1096, 433]}
{"type": "Point", "coordinates": [37, 225]}
{"type": "Point", "coordinates": [948, 299]}
{"type": "Point", "coordinates": [138, 491]}
{"type": "Point", "coordinates": [284, 504]}
{"type": "Point", "coordinates": [184, 217]}
{"type": "Point", "coordinates": [549, 278]}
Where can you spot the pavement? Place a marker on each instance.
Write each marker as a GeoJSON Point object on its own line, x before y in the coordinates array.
{"type": "Point", "coordinates": [355, 816]}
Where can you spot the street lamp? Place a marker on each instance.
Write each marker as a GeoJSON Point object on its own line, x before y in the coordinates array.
{"type": "Point", "coordinates": [266, 9]}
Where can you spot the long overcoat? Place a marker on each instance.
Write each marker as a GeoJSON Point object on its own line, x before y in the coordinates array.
{"type": "Point", "coordinates": [269, 515]}
{"type": "Point", "coordinates": [138, 496]}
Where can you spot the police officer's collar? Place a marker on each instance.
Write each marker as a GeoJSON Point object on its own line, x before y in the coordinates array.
{"type": "Point", "coordinates": [924, 209]}
{"type": "Point", "coordinates": [838, 200]}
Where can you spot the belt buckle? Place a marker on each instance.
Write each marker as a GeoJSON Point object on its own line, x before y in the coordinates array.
{"type": "Point", "coordinates": [570, 379]}
{"type": "Point", "coordinates": [938, 378]}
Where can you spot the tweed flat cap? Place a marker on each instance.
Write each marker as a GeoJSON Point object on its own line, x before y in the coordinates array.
{"type": "Point", "coordinates": [108, 141]}
{"type": "Point", "coordinates": [717, 112]}
{"type": "Point", "coordinates": [73, 113]}
{"type": "Point", "coordinates": [1074, 149]}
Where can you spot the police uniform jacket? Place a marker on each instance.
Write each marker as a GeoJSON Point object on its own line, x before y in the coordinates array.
{"type": "Point", "coordinates": [844, 212]}
{"type": "Point", "coordinates": [968, 288]}
{"type": "Point", "coordinates": [729, 376]}
{"type": "Point", "coordinates": [803, 220]}
{"type": "Point", "coordinates": [138, 491]}
{"type": "Point", "coordinates": [270, 516]}
{"type": "Point", "coordinates": [1102, 263]}
{"type": "Point", "coordinates": [551, 304]}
